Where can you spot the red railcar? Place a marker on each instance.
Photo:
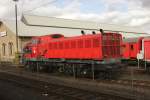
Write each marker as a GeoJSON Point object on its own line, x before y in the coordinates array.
{"type": "Point", "coordinates": [131, 47]}
{"type": "Point", "coordinates": [98, 49]}
{"type": "Point", "coordinates": [137, 48]}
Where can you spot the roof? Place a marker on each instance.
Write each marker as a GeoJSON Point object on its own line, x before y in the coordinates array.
{"type": "Point", "coordinates": [42, 21]}
{"type": "Point", "coordinates": [25, 30]}
{"type": "Point", "coordinates": [131, 40]}
{"type": "Point", "coordinates": [147, 38]}
{"type": "Point", "coordinates": [133, 35]}
{"type": "Point", "coordinates": [31, 26]}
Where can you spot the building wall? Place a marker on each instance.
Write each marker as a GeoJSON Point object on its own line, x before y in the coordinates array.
{"type": "Point", "coordinates": [8, 44]}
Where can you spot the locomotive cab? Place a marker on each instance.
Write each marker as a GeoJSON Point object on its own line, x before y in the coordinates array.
{"type": "Point", "coordinates": [27, 49]}
{"type": "Point", "coordinates": [37, 48]}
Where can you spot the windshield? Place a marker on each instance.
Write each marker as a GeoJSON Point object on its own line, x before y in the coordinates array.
{"type": "Point", "coordinates": [35, 41]}
{"type": "Point", "coordinates": [27, 50]}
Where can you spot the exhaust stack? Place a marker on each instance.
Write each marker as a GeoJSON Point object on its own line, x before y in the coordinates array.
{"type": "Point", "coordinates": [82, 32]}
{"type": "Point", "coordinates": [93, 32]}
{"type": "Point", "coordinates": [102, 31]}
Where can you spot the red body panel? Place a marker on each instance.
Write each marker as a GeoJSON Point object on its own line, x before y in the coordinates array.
{"type": "Point", "coordinates": [93, 46]}
{"type": "Point", "coordinates": [146, 49]}
{"type": "Point", "coordinates": [75, 48]}
{"type": "Point", "coordinates": [131, 49]}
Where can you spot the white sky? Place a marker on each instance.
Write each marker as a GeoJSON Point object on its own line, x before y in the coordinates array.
{"type": "Point", "coordinates": [120, 12]}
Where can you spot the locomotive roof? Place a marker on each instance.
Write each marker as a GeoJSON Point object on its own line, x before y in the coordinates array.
{"type": "Point", "coordinates": [130, 40]}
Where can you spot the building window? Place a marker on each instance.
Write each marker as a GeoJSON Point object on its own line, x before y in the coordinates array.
{"type": "Point", "coordinates": [3, 49]}
{"type": "Point", "coordinates": [10, 48]}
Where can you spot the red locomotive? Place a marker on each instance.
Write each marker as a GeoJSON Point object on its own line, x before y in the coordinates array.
{"type": "Point", "coordinates": [91, 54]}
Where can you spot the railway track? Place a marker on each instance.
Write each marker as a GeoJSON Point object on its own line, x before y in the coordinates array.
{"type": "Point", "coordinates": [127, 82]}
{"type": "Point", "coordinates": [57, 92]}
{"type": "Point", "coordinates": [136, 83]}
{"type": "Point", "coordinates": [138, 86]}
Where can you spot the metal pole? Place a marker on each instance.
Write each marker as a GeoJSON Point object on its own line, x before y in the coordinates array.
{"type": "Point", "coordinates": [16, 27]}
{"type": "Point", "coordinates": [132, 78]}
{"type": "Point", "coordinates": [74, 74]}
{"type": "Point", "coordinates": [145, 65]}
{"type": "Point", "coordinates": [93, 72]}
{"type": "Point", "coordinates": [37, 66]}
{"type": "Point", "coordinates": [145, 58]}
{"type": "Point", "coordinates": [138, 64]}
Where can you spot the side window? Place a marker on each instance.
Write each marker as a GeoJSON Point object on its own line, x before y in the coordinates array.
{"type": "Point", "coordinates": [140, 46]}
{"type": "Point", "coordinates": [10, 48]}
{"type": "Point", "coordinates": [4, 49]}
{"type": "Point", "coordinates": [36, 41]}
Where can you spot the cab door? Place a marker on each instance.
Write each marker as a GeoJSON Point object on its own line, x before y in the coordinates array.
{"type": "Point", "coordinates": [133, 50]}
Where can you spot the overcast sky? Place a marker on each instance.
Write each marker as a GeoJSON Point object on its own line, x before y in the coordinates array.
{"type": "Point", "coordinates": [120, 12]}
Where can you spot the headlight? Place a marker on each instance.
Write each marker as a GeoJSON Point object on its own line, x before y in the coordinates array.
{"type": "Point", "coordinates": [34, 51]}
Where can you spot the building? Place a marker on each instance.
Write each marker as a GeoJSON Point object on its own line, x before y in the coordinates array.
{"type": "Point", "coordinates": [31, 25]}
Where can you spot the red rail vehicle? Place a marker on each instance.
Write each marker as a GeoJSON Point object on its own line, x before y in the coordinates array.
{"type": "Point", "coordinates": [137, 48]}
{"type": "Point", "coordinates": [92, 54]}
{"type": "Point", "coordinates": [146, 49]}
{"type": "Point", "coordinates": [131, 47]}
{"type": "Point", "coordinates": [145, 52]}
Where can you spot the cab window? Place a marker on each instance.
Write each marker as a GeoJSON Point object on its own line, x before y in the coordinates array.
{"type": "Point", "coordinates": [35, 41]}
